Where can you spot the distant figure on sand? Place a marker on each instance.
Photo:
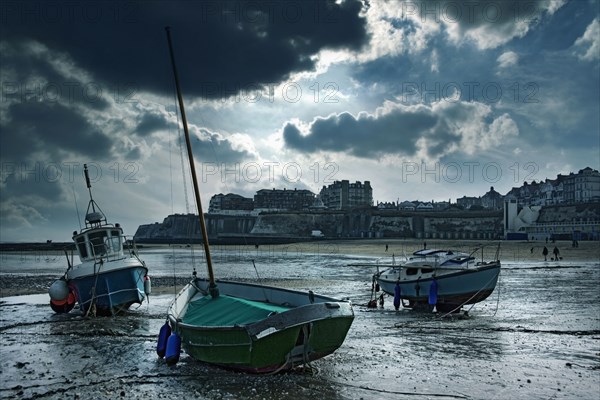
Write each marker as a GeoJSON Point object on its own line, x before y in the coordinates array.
{"type": "Point", "coordinates": [424, 245]}
{"type": "Point", "coordinates": [386, 247]}
{"type": "Point", "coordinates": [545, 253]}
{"type": "Point", "coordinates": [556, 253]}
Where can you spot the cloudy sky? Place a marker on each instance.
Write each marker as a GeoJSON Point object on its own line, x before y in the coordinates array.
{"type": "Point", "coordinates": [426, 99]}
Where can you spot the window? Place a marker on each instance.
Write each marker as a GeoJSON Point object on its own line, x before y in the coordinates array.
{"type": "Point", "coordinates": [97, 240]}
{"type": "Point", "coordinates": [116, 241]}
{"type": "Point", "coordinates": [81, 248]}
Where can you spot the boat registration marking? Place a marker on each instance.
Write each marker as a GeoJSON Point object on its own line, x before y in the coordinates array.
{"type": "Point", "coordinates": [266, 332]}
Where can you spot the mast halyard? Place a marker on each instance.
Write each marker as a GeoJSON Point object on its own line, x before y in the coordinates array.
{"type": "Point", "coordinates": [214, 291]}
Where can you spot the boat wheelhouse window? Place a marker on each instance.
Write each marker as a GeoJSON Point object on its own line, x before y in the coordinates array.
{"type": "Point", "coordinates": [412, 271]}
{"type": "Point", "coordinates": [115, 239]}
{"type": "Point", "coordinates": [97, 241]}
{"type": "Point", "coordinates": [81, 247]}
{"type": "Point", "coordinates": [426, 270]}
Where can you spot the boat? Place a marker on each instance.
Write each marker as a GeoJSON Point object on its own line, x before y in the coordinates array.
{"type": "Point", "coordinates": [110, 277]}
{"type": "Point", "coordinates": [245, 326]}
{"type": "Point", "coordinates": [445, 279]}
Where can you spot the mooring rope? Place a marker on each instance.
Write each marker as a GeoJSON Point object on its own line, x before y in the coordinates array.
{"type": "Point", "coordinates": [93, 299]}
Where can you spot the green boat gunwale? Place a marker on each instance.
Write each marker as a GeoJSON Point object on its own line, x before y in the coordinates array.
{"type": "Point", "coordinates": [323, 307]}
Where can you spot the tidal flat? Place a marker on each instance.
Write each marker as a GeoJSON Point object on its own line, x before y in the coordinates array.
{"type": "Point", "coordinates": [536, 337]}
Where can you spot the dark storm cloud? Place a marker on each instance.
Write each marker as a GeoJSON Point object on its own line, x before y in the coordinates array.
{"type": "Point", "coordinates": [49, 128]}
{"type": "Point", "coordinates": [395, 129]}
{"type": "Point", "coordinates": [134, 154]}
{"type": "Point", "coordinates": [151, 123]}
{"type": "Point", "coordinates": [221, 47]}
{"type": "Point", "coordinates": [32, 73]}
{"type": "Point", "coordinates": [32, 179]}
{"type": "Point", "coordinates": [209, 147]}
{"type": "Point", "coordinates": [366, 136]}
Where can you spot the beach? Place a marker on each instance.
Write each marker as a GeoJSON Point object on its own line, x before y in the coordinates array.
{"type": "Point", "coordinates": [509, 250]}
{"type": "Point", "coordinates": [537, 336]}
{"type": "Point", "coordinates": [397, 249]}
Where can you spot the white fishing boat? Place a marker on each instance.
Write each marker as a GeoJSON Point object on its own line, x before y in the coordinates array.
{"type": "Point", "coordinates": [244, 326]}
{"type": "Point", "coordinates": [445, 279]}
{"type": "Point", "coordinates": [110, 278]}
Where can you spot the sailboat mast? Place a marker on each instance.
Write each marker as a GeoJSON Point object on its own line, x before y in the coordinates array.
{"type": "Point", "coordinates": [211, 276]}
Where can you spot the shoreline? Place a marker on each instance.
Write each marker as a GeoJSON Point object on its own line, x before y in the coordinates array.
{"type": "Point", "coordinates": [514, 250]}
{"type": "Point", "coordinates": [510, 251]}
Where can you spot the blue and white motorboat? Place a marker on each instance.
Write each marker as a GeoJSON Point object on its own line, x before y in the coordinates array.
{"type": "Point", "coordinates": [110, 278]}
{"type": "Point", "coordinates": [445, 279]}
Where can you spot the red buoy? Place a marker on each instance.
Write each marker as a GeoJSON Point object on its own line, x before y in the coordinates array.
{"type": "Point", "coordinates": [64, 306]}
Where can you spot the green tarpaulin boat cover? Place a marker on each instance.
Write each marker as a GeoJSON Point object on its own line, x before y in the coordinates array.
{"type": "Point", "coordinates": [228, 311]}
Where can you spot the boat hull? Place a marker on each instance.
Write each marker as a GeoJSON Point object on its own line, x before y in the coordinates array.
{"type": "Point", "coordinates": [454, 288]}
{"type": "Point", "coordinates": [303, 333]}
{"type": "Point", "coordinates": [111, 290]}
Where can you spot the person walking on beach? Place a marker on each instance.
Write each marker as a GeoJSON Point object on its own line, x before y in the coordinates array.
{"type": "Point", "coordinates": [545, 253]}
{"type": "Point", "coordinates": [556, 253]}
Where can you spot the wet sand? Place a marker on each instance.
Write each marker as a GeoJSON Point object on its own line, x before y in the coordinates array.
{"type": "Point", "coordinates": [509, 250]}
{"type": "Point", "coordinates": [536, 337]}
{"type": "Point", "coordinates": [514, 251]}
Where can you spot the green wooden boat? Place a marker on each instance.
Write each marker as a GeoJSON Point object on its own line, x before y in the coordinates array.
{"type": "Point", "coordinates": [244, 326]}
{"type": "Point", "coordinates": [258, 328]}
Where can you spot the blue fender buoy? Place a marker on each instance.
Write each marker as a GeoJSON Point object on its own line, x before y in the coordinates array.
{"type": "Point", "coordinates": [163, 335]}
{"type": "Point", "coordinates": [173, 349]}
{"type": "Point", "coordinates": [433, 290]}
{"type": "Point", "coordinates": [397, 291]}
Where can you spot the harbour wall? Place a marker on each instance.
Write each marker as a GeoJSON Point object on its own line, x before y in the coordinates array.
{"type": "Point", "coordinates": [272, 227]}
{"type": "Point", "coordinates": [296, 226]}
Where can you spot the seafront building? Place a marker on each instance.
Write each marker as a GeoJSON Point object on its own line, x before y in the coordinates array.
{"type": "Point", "coordinates": [283, 200]}
{"type": "Point", "coordinates": [582, 187]}
{"type": "Point", "coordinates": [567, 207]}
{"type": "Point", "coordinates": [343, 195]}
{"type": "Point", "coordinates": [226, 202]}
